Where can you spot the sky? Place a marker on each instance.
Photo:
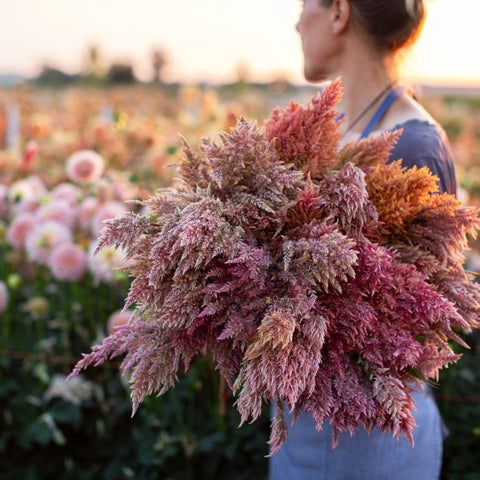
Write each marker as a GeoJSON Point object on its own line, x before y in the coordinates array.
{"type": "Point", "coordinates": [207, 40]}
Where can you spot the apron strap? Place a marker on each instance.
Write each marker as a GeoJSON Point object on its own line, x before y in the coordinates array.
{"type": "Point", "coordinates": [382, 109]}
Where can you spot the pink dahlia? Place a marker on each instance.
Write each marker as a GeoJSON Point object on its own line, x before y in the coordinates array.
{"type": "Point", "coordinates": [60, 210]}
{"type": "Point", "coordinates": [20, 227]}
{"type": "Point", "coordinates": [68, 261]}
{"type": "Point", "coordinates": [67, 192]}
{"type": "Point", "coordinates": [27, 188]}
{"type": "Point", "coordinates": [118, 318]}
{"type": "Point", "coordinates": [26, 205]}
{"type": "Point", "coordinates": [40, 242]}
{"type": "Point", "coordinates": [104, 190]}
{"type": "Point", "coordinates": [3, 296]}
{"type": "Point", "coordinates": [106, 211]}
{"type": "Point", "coordinates": [87, 210]}
{"type": "Point", "coordinates": [106, 262]}
{"type": "Point", "coordinates": [85, 166]}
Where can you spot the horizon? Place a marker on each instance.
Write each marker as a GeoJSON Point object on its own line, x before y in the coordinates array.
{"type": "Point", "coordinates": [214, 42]}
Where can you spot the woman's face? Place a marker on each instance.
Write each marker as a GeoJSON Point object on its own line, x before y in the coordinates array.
{"type": "Point", "coordinates": [320, 45]}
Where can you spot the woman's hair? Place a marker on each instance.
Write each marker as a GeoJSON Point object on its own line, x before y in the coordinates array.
{"type": "Point", "coordinates": [392, 24]}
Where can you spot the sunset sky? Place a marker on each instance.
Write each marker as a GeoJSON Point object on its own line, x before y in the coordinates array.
{"type": "Point", "coordinates": [208, 39]}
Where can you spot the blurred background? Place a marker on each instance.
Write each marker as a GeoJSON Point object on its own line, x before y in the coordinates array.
{"type": "Point", "coordinates": [93, 96]}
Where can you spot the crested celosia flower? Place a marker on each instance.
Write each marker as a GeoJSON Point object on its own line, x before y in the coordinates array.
{"type": "Point", "coordinates": [68, 261]}
{"type": "Point", "coordinates": [44, 237]}
{"type": "Point", "coordinates": [3, 296]}
{"type": "Point", "coordinates": [84, 166]}
{"type": "Point", "coordinates": [317, 277]}
{"type": "Point", "coordinates": [104, 265]}
{"type": "Point", "coordinates": [19, 228]}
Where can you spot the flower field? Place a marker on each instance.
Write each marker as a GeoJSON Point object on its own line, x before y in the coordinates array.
{"type": "Point", "coordinates": [71, 159]}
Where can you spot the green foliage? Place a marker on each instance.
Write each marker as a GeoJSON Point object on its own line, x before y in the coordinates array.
{"type": "Point", "coordinates": [91, 435]}
{"type": "Point", "coordinates": [83, 430]}
{"type": "Point", "coordinates": [459, 402]}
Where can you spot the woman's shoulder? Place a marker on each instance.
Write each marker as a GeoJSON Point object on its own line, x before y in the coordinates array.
{"type": "Point", "coordinates": [421, 134]}
{"type": "Point", "coordinates": [423, 143]}
{"type": "Point", "coordinates": [420, 138]}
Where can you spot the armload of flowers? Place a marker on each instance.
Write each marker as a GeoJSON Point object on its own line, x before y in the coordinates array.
{"type": "Point", "coordinates": [317, 277]}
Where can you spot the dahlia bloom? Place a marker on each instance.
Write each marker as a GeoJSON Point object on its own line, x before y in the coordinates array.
{"type": "Point", "coordinates": [106, 211]}
{"type": "Point", "coordinates": [25, 205]}
{"type": "Point", "coordinates": [66, 192]}
{"type": "Point", "coordinates": [3, 296]}
{"type": "Point", "coordinates": [84, 166]}
{"type": "Point", "coordinates": [44, 237]}
{"type": "Point", "coordinates": [28, 188]}
{"type": "Point", "coordinates": [19, 228]}
{"type": "Point", "coordinates": [87, 209]}
{"type": "Point", "coordinates": [318, 278]}
{"type": "Point", "coordinates": [58, 210]}
{"type": "Point", "coordinates": [104, 265]}
{"type": "Point", "coordinates": [68, 261]}
{"type": "Point", "coordinates": [118, 318]}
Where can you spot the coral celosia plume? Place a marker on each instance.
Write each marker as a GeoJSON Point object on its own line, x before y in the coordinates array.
{"type": "Point", "coordinates": [317, 277]}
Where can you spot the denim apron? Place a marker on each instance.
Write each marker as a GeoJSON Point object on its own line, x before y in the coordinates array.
{"type": "Point", "coordinates": [308, 454]}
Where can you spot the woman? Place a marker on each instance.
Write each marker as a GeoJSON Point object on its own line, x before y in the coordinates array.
{"type": "Point", "coordinates": [360, 40]}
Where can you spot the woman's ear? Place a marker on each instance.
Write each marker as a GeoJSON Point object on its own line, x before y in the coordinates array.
{"type": "Point", "coordinates": [340, 15]}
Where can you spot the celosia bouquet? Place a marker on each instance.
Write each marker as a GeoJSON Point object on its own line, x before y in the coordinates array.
{"type": "Point", "coordinates": [317, 277]}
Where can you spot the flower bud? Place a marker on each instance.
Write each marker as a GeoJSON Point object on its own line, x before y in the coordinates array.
{"type": "Point", "coordinates": [14, 280]}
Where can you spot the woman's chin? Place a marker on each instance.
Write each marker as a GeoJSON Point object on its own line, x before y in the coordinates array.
{"type": "Point", "coordinates": [314, 76]}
